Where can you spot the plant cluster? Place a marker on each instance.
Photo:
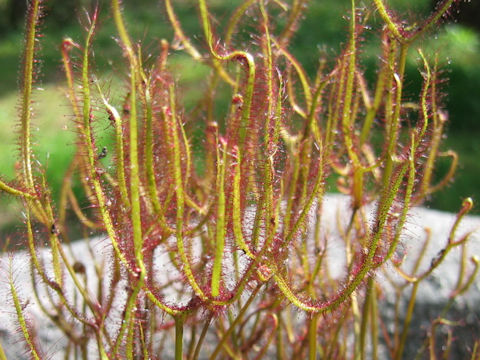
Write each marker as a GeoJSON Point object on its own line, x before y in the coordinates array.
{"type": "Point", "coordinates": [235, 220]}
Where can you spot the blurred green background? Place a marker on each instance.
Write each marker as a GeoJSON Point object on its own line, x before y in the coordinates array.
{"type": "Point", "coordinates": [323, 31]}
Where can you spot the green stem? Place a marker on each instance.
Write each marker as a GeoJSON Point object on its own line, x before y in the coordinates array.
{"type": "Point", "coordinates": [377, 99]}
{"type": "Point", "coordinates": [235, 55]}
{"type": "Point", "coordinates": [179, 32]}
{"type": "Point", "coordinates": [399, 31]}
{"type": "Point", "coordinates": [13, 191]}
{"type": "Point", "coordinates": [119, 150]}
{"type": "Point", "coordinates": [408, 318]}
{"type": "Point", "coordinates": [392, 126]}
{"type": "Point", "coordinates": [179, 321]}
{"type": "Point", "coordinates": [312, 337]}
{"type": "Point", "coordinates": [27, 76]}
{"type": "Point", "coordinates": [176, 163]}
{"type": "Point", "coordinates": [21, 319]}
{"type": "Point", "coordinates": [199, 343]}
{"type": "Point", "coordinates": [134, 172]}
{"type": "Point", "coordinates": [366, 316]}
{"type": "Point", "coordinates": [133, 135]}
{"type": "Point", "coordinates": [233, 325]}
{"type": "Point", "coordinates": [220, 226]}
{"type": "Point", "coordinates": [127, 321]}
{"type": "Point", "coordinates": [366, 266]}
{"type": "Point", "coordinates": [2, 353]}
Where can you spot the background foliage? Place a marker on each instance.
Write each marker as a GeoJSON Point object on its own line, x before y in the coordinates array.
{"type": "Point", "coordinates": [458, 44]}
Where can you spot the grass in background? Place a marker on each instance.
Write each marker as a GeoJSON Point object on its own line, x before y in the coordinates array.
{"type": "Point", "coordinates": [458, 46]}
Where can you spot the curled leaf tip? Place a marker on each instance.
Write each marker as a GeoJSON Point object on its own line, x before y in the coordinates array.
{"type": "Point", "coordinates": [467, 204]}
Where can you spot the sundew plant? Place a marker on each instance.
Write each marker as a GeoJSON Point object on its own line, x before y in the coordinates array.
{"type": "Point", "coordinates": [211, 218]}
